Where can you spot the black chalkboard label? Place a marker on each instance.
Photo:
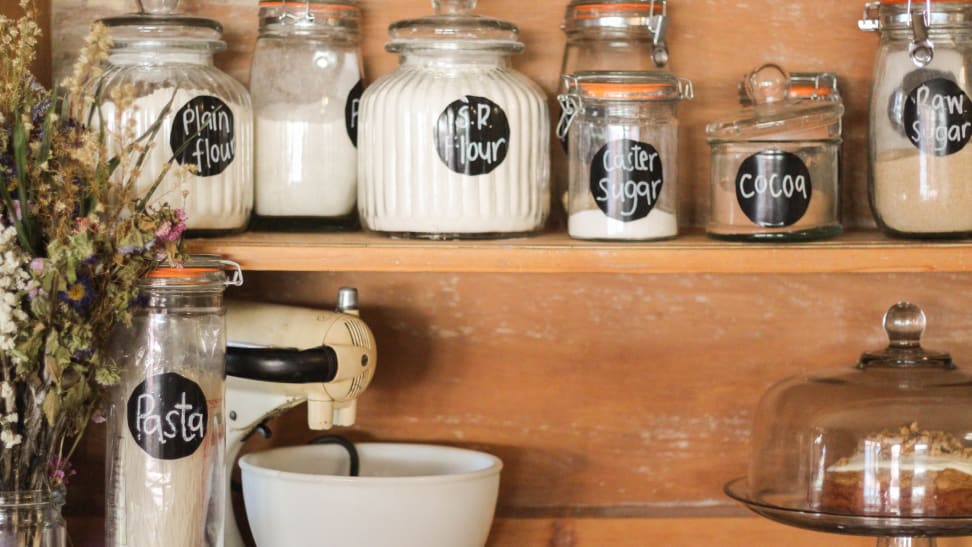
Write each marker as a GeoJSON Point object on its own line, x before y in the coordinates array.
{"type": "Point", "coordinates": [774, 188]}
{"type": "Point", "coordinates": [472, 136]}
{"type": "Point", "coordinates": [167, 416]}
{"type": "Point", "coordinates": [351, 108]}
{"type": "Point", "coordinates": [938, 117]}
{"type": "Point", "coordinates": [203, 134]}
{"type": "Point", "coordinates": [626, 179]}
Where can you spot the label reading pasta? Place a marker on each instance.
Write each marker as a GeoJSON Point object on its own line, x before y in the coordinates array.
{"type": "Point", "coordinates": [167, 416]}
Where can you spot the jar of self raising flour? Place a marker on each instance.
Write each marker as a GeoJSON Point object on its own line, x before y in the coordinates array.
{"type": "Point", "coordinates": [775, 163]}
{"type": "Point", "coordinates": [186, 110]}
{"type": "Point", "coordinates": [454, 143]}
{"type": "Point", "coordinates": [623, 152]}
{"type": "Point", "coordinates": [921, 118]}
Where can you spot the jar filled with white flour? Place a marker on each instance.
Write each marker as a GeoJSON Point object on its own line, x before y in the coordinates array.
{"type": "Point", "coordinates": [306, 87]}
{"type": "Point", "coordinates": [622, 154]}
{"type": "Point", "coordinates": [920, 183]}
{"type": "Point", "coordinates": [161, 68]}
{"type": "Point", "coordinates": [454, 143]}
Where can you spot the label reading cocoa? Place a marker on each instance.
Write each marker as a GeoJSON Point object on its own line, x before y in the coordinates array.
{"type": "Point", "coordinates": [938, 117]}
{"type": "Point", "coordinates": [472, 136]}
{"type": "Point", "coordinates": [773, 188]}
{"type": "Point", "coordinates": [626, 179]}
{"type": "Point", "coordinates": [351, 109]}
{"type": "Point", "coordinates": [203, 135]}
{"type": "Point", "coordinates": [167, 416]}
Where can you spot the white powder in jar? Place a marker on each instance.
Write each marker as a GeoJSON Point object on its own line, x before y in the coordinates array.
{"type": "Point", "coordinates": [593, 224]}
{"type": "Point", "coordinates": [219, 196]}
{"type": "Point", "coordinates": [922, 193]}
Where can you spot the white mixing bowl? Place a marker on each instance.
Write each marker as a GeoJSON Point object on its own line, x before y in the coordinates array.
{"type": "Point", "coordinates": [407, 495]}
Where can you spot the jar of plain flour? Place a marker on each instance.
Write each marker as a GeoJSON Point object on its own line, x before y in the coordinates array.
{"type": "Point", "coordinates": [163, 60]}
{"type": "Point", "coordinates": [454, 143]}
{"type": "Point", "coordinates": [306, 87]}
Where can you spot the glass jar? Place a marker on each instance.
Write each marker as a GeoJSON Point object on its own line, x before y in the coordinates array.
{"type": "Point", "coordinates": [921, 118]}
{"type": "Point", "coordinates": [775, 165]}
{"type": "Point", "coordinates": [166, 60]}
{"type": "Point", "coordinates": [165, 448]}
{"type": "Point", "coordinates": [883, 448]}
{"type": "Point", "coordinates": [454, 143]}
{"type": "Point", "coordinates": [32, 519]}
{"type": "Point", "coordinates": [306, 87]}
{"type": "Point", "coordinates": [609, 35]}
{"type": "Point", "coordinates": [623, 154]}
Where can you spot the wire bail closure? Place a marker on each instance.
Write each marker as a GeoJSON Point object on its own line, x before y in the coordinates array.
{"type": "Point", "coordinates": [921, 49]}
{"type": "Point", "coordinates": [236, 279]}
{"type": "Point", "coordinates": [569, 105]}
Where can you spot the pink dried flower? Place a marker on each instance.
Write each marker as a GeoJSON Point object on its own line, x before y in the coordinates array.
{"type": "Point", "coordinates": [60, 471]}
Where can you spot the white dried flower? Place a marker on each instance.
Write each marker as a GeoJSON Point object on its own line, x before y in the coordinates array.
{"type": "Point", "coordinates": [10, 439]}
{"type": "Point", "coordinates": [11, 418]}
{"type": "Point", "coordinates": [14, 278]}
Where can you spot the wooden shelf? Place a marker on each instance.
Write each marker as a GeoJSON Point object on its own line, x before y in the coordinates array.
{"type": "Point", "coordinates": [854, 252]}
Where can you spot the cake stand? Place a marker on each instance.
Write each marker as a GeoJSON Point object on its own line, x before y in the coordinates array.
{"type": "Point", "coordinates": [891, 531]}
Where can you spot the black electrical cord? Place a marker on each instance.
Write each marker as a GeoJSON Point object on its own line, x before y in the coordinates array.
{"type": "Point", "coordinates": [347, 445]}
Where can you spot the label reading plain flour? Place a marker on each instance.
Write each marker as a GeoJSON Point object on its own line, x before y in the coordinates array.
{"type": "Point", "coordinates": [203, 135]}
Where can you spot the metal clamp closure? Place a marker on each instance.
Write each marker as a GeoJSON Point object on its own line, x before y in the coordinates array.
{"type": "Point", "coordinates": [235, 280]}
{"type": "Point", "coordinates": [921, 49]}
{"type": "Point", "coordinates": [869, 22]}
{"type": "Point", "coordinates": [569, 106]}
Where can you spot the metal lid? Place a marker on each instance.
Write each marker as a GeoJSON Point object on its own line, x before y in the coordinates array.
{"type": "Point", "coordinates": [309, 15]}
{"type": "Point", "coordinates": [905, 323]}
{"type": "Point", "coordinates": [454, 27]}
{"type": "Point", "coordinates": [158, 25]}
{"type": "Point", "coordinates": [630, 15]}
{"type": "Point", "coordinates": [774, 115]}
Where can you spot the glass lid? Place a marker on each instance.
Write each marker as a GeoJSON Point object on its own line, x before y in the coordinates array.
{"type": "Point", "coordinates": [889, 438]}
{"type": "Point", "coordinates": [631, 15]}
{"type": "Point", "coordinates": [309, 14]}
{"type": "Point", "coordinates": [454, 27]}
{"type": "Point", "coordinates": [781, 107]}
{"type": "Point", "coordinates": [158, 24]}
{"type": "Point", "coordinates": [628, 86]}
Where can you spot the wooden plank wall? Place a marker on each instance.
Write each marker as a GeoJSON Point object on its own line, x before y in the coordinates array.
{"type": "Point", "coordinates": [619, 404]}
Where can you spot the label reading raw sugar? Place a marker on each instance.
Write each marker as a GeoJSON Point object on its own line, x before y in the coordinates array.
{"type": "Point", "coordinates": [351, 108]}
{"type": "Point", "coordinates": [938, 117]}
{"type": "Point", "coordinates": [774, 188]}
{"type": "Point", "coordinates": [626, 179]}
{"type": "Point", "coordinates": [203, 135]}
{"type": "Point", "coordinates": [167, 416]}
{"type": "Point", "coordinates": [472, 136]}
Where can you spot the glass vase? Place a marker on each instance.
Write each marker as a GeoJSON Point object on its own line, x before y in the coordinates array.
{"type": "Point", "coordinates": [32, 519]}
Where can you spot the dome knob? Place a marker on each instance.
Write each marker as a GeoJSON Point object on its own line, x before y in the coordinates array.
{"type": "Point", "coordinates": [905, 323]}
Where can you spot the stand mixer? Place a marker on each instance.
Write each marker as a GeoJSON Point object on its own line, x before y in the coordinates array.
{"type": "Point", "coordinates": [281, 356]}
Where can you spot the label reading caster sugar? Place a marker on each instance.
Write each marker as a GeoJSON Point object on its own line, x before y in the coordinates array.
{"type": "Point", "coordinates": [773, 188]}
{"type": "Point", "coordinates": [167, 416]}
{"type": "Point", "coordinates": [472, 136]}
{"type": "Point", "coordinates": [938, 117]}
{"type": "Point", "coordinates": [203, 135]}
{"type": "Point", "coordinates": [626, 179]}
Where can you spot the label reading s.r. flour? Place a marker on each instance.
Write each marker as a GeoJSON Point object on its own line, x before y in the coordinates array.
{"type": "Point", "coordinates": [472, 136]}
{"type": "Point", "coordinates": [351, 108]}
{"type": "Point", "coordinates": [203, 135]}
{"type": "Point", "coordinates": [773, 188]}
{"type": "Point", "coordinates": [938, 117]}
{"type": "Point", "coordinates": [626, 179]}
{"type": "Point", "coordinates": [167, 416]}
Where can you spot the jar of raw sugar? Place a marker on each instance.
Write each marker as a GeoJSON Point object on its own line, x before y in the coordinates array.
{"type": "Point", "coordinates": [455, 143]}
{"type": "Point", "coordinates": [921, 118]}
{"type": "Point", "coordinates": [775, 163]}
{"type": "Point", "coordinates": [166, 60]}
{"type": "Point", "coordinates": [623, 154]}
{"type": "Point", "coordinates": [306, 87]}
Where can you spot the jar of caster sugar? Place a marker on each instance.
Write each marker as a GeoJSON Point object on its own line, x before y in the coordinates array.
{"type": "Point", "coordinates": [166, 60]}
{"type": "Point", "coordinates": [622, 154]}
{"type": "Point", "coordinates": [775, 163]}
{"type": "Point", "coordinates": [306, 87]}
{"type": "Point", "coordinates": [454, 143]}
{"type": "Point", "coordinates": [921, 118]}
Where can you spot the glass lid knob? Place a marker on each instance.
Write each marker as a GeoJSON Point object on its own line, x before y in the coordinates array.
{"type": "Point", "coordinates": [453, 7]}
{"type": "Point", "coordinates": [767, 84]}
{"type": "Point", "coordinates": [905, 323]}
{"type": "Point", "coordinates": [158, 7]}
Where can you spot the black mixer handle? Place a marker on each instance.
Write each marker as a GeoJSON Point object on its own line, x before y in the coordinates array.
{"type": "Point", "coordinates": [282, 365]}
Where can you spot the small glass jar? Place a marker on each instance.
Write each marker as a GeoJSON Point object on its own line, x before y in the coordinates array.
{"type": "Point", "coordinates": [166, 60]}
{"type": "Point", "coordinates": [609, 35]}
{"type": "Point", "coordinates": [165, 448]}
{"type": "Point", "coordinates": [306, 85]}
{"type": "Point", "coordinates": [623, 154]}
{"type": "Point", "coordinates": [32, 519]}
{"type": "Point", "coordinates": [775, 165]}
{"type": "Point", "coordinates": [454, 143]}
{"type": "Point", "coordinates": [921, 118]}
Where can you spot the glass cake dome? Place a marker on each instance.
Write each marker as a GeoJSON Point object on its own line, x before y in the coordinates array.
{"type": "Point", "coordinates": [883, 448]}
